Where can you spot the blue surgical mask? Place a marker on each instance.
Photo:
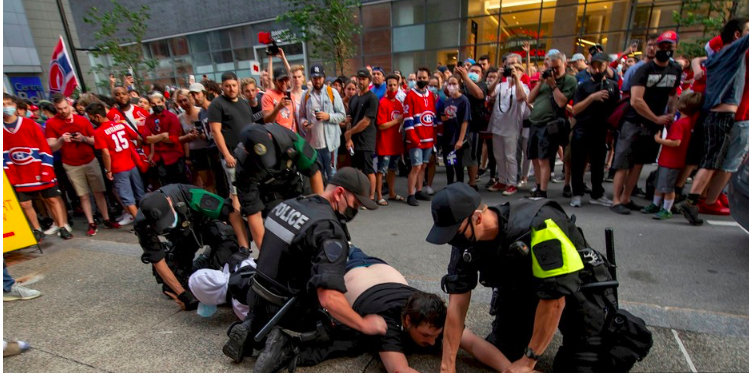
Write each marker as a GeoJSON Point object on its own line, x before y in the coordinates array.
{"type": "Point", "coordinates": [9, 111]}
{"type": "Point", "coordinates": [206, 310]}
{"type": "Point", "coordinates": [174, 224]}
{"type": "Point", "coordinates": [433, 90]}
{"type": "Point", "coordinates": [411, 84]}
{"type": "Point", "coordinates": [29, 114]}
{"type": "Point", "coordinates": [474, 77]}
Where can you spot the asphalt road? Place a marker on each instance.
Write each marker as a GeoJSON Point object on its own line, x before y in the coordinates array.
{"type": "Point", "coordinates": [102, 311]}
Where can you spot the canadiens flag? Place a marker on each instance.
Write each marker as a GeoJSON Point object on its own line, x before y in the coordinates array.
{"type": "Point", "coordinates": [61, 74]}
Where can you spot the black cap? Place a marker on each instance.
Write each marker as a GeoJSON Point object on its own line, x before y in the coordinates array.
{"type": "Point", "coordinates": [280, 73]}
{"type": "Point", "coordinates": [228, 76]}
{"type": "Point", "coordinates": [355, 182]}
{"type": "Point", "coordinates": [600, 57]}
{"type": "Point", "coordinates": [257, 140]}
{"type": "Point", "coordinates": [450, 207]}
{"type": "Point", "coordinates": [363, 73]}
{"type": "Point", "coordinates": [157, 211]}
{"type": "Point", "coordinates": [316, 71]}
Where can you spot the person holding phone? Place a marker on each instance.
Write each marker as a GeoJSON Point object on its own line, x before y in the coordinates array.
{"type": "Point", "coordinates": [277, 104]}
{"type": "Point", "coordinates": [195, 142]}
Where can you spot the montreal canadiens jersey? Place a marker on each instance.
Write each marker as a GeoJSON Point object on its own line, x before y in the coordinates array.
{"type": "Point", "coordinates": [27, 158]}
{"type": "Point", "coordinates": [419, 119]}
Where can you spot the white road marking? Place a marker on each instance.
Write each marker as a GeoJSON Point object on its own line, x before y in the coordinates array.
{"type": "Point", "coordinates": [684, 351]}
{"type": "Point", "coordinates": [723, 223]}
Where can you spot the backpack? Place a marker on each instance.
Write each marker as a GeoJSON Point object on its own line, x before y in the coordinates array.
{"type": "Point", "coordinates": [330, 94]}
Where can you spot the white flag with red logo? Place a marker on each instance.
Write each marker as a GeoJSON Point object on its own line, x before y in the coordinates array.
{"type": "Point", "coordinates": [61, 73]}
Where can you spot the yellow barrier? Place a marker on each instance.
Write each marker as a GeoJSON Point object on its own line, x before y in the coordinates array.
{"type": "Point", "coordinates": [16, 231]}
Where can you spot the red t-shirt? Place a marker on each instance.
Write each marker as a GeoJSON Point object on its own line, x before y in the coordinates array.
{"type": "Point", "coordinates": [136, 114]}
{"type": "Point", "coordinates": [675, 157]}
{"type": "Point", "coordinates": [73, 153]}
{"type": "Point", "coordinates": [117, 138]}
{"type": "Point", "coordinates": [389, 141]}
{"type": "Point", "coordinates": [742, 113]}
{"type": "Point", "coordinates": [160, 123]}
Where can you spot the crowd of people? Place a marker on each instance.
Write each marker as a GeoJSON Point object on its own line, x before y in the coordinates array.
{"type": "Point", "coordinates": [195, 163]}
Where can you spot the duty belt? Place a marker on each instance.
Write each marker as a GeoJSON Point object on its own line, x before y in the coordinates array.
{"type": "Point", "coordinates": [268, 295]}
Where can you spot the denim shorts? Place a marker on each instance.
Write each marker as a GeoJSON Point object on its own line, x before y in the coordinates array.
{"type": "Point", "coordinates": [738, 147]}
{"type": "Point", "coordinates": [357, 258]}
{"type": "Point", "coordinates": [419, 156]}
{"type": "Point", "coordinates": [129, 186]}
{"type": "Point", "coordinates": [387, 162]}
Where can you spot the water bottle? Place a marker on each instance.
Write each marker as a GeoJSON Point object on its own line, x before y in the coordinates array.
{"type": "Point", "coordinates": [206, 310]}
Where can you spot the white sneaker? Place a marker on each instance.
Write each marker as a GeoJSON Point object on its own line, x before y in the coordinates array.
{"type": "Point", "coordinates": [52, 230]}
{"type": "Point", "coordinates": [127, 220]}
{"type": "Point", "coordinates": [18, 292]}
{"type": "Point", "coordinates": [122, 216]}
{"type": "Point", "coordinates": [430, 191]}
{"type": "Point", "coordinates": [522, 184]}
{"type": "Point", "coordinates": [603, 201]}
{"type": "Point", "coordinates": [576, 201]}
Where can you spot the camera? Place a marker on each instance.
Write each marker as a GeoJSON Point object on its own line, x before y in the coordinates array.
{"type": "Point", "coordinates": [266, 38]}
{"type": "Point", "coordinates": [546, 74]}
{"type": "Point", "coordinates": [507, 72]}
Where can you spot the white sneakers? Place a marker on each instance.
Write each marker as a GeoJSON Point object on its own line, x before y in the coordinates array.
{"type": "Point", "coordinates": [18, 292]}
{"type": "Point", "coordinates": [603, 201]}
{"type": "Point", "coordinates": [126, 220]}
{"type": "Point", "coordinates": [52, 230]}
{"type": "Point", "coordinates": [430, 191]}
{"type": "Point", "coordinates": [576, 201]}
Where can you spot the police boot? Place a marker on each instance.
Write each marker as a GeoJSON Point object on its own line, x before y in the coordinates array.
{"type": "Point", "coordinates": [237, 343]}
{"type": "Point", "coordinates": [280, 352]}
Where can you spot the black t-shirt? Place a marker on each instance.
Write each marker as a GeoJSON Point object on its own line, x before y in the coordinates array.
{"type": "Point", "coordinates": [659, 82]}
{"type": "Point", "coordinates": [364, 106]}
{"type": "Point", "coordinates": [233, 116]}
{"type": "Point", "coordinates": [479, 113]}
{"type": "Point", "coordinates": [596, 113]}
{"type": "Point", "coordinates": [388, 301]}
{"type": "Point", "coordinates": [584, 76]}
{"type": "Point", "coordinates": [458, 110]}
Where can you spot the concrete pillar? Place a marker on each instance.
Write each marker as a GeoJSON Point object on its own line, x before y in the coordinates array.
{"type": "Point", "coordinates": [565, 20]}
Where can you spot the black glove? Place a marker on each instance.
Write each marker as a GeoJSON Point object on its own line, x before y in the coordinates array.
{"type": "Point", "coordinates": [236, 259]}
{"type": "Point", "coordinates": [189, 300]}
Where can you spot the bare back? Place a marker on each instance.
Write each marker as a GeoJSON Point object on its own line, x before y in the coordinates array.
{"type": "Point", "coordinates": [359, 279]}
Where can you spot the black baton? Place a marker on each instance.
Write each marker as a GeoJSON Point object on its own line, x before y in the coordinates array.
{"type": "Point", "coordinates": [274, 320]}
{"type": "Point", "coordinates": [611, 256]}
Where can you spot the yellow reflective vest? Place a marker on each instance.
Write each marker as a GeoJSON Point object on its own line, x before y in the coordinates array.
{"type": "Point", "coordinates": [552, 252]}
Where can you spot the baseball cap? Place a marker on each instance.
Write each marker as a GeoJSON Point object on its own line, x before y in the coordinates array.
{"type": "Point", "coordinates": [228, 76]}
{"type": "Point", "coordinates": [450, 207]}
{"type": "Point", "coordinates": [256, 141]}
{"type": "Point", "coordinates": [442, 69]}
{"type": "Point", "coordinates": [552, 51]}
{"type": "Point", "coordinates": [380, 69]}
{"type": "Point", "coordinates": [157, 211]}
{"type": "Point", "coordinates": [577, 57]}
{"type": "Point", "coordinates": [280, 73]}
{"type": "Point", "coordinates": [316, 71]}
{"type": "Point", "coordinates": [470, 60]}
{"type": "Point", "coordinates": [355, 182]}
{"type": "Point", "coordinates": [668, 37]}
{"type": "Point", "coordinates": [363, 73]}
{"type": "Point", "coordinates": [600, 57]}
{"type": "Point", "coordinates": [196, 87]}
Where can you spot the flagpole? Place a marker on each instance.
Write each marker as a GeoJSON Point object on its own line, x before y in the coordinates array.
{"type": "Point", "coordinates": [72, 46]}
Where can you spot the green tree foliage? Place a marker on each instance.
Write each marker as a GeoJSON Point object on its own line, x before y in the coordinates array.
{"type": "Point", "coordinates": [328, 26]}
{"type": "Point", "coordinates": [120, 37]}
{"type": "Point", "coordinates": [711, 15]}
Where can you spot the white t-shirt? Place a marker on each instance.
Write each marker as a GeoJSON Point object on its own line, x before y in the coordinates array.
{"type": "Point", "coordinates": [187, 126]}
{"type": "Point", "coordinates": [508, 113]}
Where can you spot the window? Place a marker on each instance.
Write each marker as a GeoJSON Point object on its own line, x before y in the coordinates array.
{"type": "Point", "coordinates": [443, 34]}
{"type": "Point", "coordinates": [375, 16]}
{"type": "Point", "coordinates": [408, 12]}
{"type": "Point", "coordinates": [409, 38]}
{"type": "Point", "coordinates": [439, 10]}
{"type": "Point", "coordinates": [382, 61]}
{"type": "Point", "coordinates": [241, 37]}
{"type": "Point", "coordinates": [159, 49]}
{"type": "Point", "coordinates": [408, 62]}
{"type": "Point", "coordinates": [243, 57]}
{"type": "Point", "coordinates": [202, 63]}
{"type": "Point", "coordinates": [376, 42]}
{"type": "Point", "coordinates": [224, 60]}
{"type": "Point", "coordinates": [219, 40]}
{"type": "Point", "coordinates": [198, 42]}
{"type": "Point", "coordinates": [178, 46]}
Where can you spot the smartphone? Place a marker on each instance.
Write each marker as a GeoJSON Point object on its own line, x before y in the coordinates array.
{"type": "Point", "coordinates": [635, 44]}
{"type": "Point", "coordinates": [287, 95]}
{"type": "Point", "coordinates": [198, 126]}
{"type": "Point", "coordinates": [460, 64]}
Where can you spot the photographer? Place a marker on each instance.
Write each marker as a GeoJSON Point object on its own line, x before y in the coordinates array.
{"type": "Point", "coordinates": [548, 121]}
{"type": "Point", "coordinates": [595, 100]}
{"type": "Point", "coordinates": [196, 142]}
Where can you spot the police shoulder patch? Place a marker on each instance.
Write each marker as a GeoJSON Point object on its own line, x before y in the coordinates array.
{"type": "Point", "coordinates": [260, 149]}
{"type": "Point", "coordinates": [333, 249]}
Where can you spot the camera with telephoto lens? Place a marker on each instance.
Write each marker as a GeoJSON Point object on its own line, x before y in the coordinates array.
{"type": "Point", "coordinates": [546, 74]}
{"type": "Point", "coordinates": [267, 39]}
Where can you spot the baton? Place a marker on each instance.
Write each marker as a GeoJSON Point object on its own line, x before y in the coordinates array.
{"type": "Point", "coordinates": [274, 320]}
{"type": "Point", "coordinates": [611, 256]}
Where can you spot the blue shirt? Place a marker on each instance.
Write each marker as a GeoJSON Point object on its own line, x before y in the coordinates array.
{"type": "Point", "coordinates": [379, 91]}
{"type": "Point", "coordinates": [627, 82]}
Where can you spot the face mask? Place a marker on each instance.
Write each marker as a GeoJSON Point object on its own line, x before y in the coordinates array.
{"type": "Point", "coordinates": [348, 214]}
{"type": "Point", "coordinates": [176, 219]}
{"type": "Point", "coordinates": [29, 114]}
{"type": "Point", "coordinates": [157, 109]}
{"type": "Point", "coordinates": [597, 77]}
{"type": "Point", "coordinates": [433, 90]}
{"type": "Point", "coordinates": [474, 77]}
{"type": "Point", "coordinates": [44, 117]}
{"type": "Point", "coordinates": [411, 84]}
{"type": "Point", "coordinates": [391, 95]}
{"type": "Point", "coordinates": [663, 56]}
{"type": "Point", "coordinates": [421, 84]}
{"type": "Point", "coordinates": [452, 89]}
{"type": "Point", "coordinates": [9, 111]}
{"type": "Point", "coordinates": [460, 240]}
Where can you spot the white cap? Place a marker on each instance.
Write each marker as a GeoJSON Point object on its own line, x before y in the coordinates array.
{"type": "Point", "coordinates": [577, 57]}
{"type": "Point", "coordinates": [196, 87]}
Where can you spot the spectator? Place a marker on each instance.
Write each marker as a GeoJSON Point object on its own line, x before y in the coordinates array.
{"type": "Point", "coordinates": [585, 74]}
{"type": "Point", "coordinates": [73, 135]}
{"type": "Point", "coordinates": [278, 105]}
{"type": "Point", "coordinates": [213, 89]}
{"type": "Point", "coordinates": [549, 99]}
{"type": "Point", "coordinates": [321, 113]}
{"type": "Point", "coordinates": [411, 81]}
{"type": "Point", "coordinates": [673, 156]}
{"type": "Point", "coordinates": [227, 116]}
{"type": "Point", "coordinates": [298, 82]}
{"type": "Point", "coordinates": [650, 49]}
{"type": "Point", "coordinates": [485, 64]}
{"type": "Point", "coordinates": [389, 140]}
{"type": "Point", "coordinates": [197, 156]}
{"type": "Point", "coordinates": [419, 108]}
{"type": "Point", "coordinates": [506, 123]}
{"type": "Point", "coordinates": [343, 158]}
{"type": "Point", "coordinates": [378, 86]}
{"type": "Point", "coordinates": [653, 92]}
{"type": "Point", "coordinates": [28, 165]}
{"type": "Point", "coordinates": [580, 64]}
{"type": "Point", "coordinates": [475, 90]}
{"type": "Point", "coordinates": [115, 141]}
{"type": "Point", "coordinates": [165, 133]}
{"type": "Point", "coordinates": [144, 104]}
{"type": "Point", "coordinates": [595, 99]}
{"type": "Point", "coordinates": [253, 97]}
{"type": "Point", "coordinates": [362, 135]}
{"type": "Point", "coordinates": [455, 115]}
{"type": "Point", "coordinates": [726, 126]}
{"type": "Point", "coordinates": [124, 111]}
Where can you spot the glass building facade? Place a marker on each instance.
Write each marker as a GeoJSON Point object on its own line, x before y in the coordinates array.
{"type": "Point", "coordinates": [405, 34]}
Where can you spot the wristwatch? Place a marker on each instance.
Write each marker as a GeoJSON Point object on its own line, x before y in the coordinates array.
{"type": "Point", "coordinates": [530, 354]}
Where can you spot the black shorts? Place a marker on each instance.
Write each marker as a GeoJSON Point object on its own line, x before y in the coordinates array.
{"type": "Point", "coordinates": [717, 131]}
{"type": "Point", "coordinates": [695, 149]}
{"type": "Point", "coordinates": [51, 192]}
{"type": "Point", "coordinates": [541, 144]}
{"type": "Point", "coordinates": [362, 160]}
{"type": "Point", "coordinates": [200, 159]}
{"type": "Point", "coordinates": [253, 199]}
{"type": "Point", "coordinates": [636, 145]}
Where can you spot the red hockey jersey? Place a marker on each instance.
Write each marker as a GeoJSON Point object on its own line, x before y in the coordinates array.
{"type": "Point", "coordinates": [27, 158]}
{"type": "Point", "coordinates": [419, 119]}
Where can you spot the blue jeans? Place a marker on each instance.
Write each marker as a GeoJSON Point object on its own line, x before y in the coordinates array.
{"type": "Point", "coordinates": [129, 186]}
{"type": "Point", "coordinates": [357, 258]}
{"type": "Point", "coordinates": [7, 280]}
{"type": "Point", "coordinates": [324, 156]}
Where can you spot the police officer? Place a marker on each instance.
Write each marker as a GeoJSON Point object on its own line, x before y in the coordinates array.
{"type": "Point", "coordinates": [188, 218]}
{"type": "Point", "coordinates": [303, 261]}
{"type": "Point", "coordinates": [271, 160]}
{"type": "Point", "coordinates": [527, 252]}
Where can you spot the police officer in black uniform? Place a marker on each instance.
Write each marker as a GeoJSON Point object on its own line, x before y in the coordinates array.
{"type": "Point", "coordinates": [303, 261]}
{"type": "Point", "coordinates": [527, 251]}
{"type": "Point", "coordinates": [188, 218]}
{"type": "Point", "coordinates": [271, 160]}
